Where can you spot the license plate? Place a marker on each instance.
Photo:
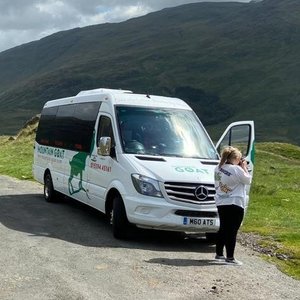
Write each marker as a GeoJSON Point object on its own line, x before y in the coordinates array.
{"type": "Point", "coordinates": [198, 221]}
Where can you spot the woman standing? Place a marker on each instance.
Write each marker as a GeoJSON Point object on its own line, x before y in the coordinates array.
{"type": "Point", "coordinates": [231, 178]}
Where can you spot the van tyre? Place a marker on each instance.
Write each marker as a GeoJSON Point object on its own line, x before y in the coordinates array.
{"type": "Point", "coordinates": [120, 224]}
{"type": "Point", "coordinates": [50, 194]}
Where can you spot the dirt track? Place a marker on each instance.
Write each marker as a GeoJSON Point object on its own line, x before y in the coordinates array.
{"type": "Point", "coordinates": [66, 251]}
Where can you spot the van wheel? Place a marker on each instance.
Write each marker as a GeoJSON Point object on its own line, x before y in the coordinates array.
{"type": "Point", "coordinates": [119, 219]}
{"type": "Point", "coordinates": [50, 194]}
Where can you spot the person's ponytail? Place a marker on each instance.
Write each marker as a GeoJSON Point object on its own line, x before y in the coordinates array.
{"type": "Point", "coordinates": [226, 152]}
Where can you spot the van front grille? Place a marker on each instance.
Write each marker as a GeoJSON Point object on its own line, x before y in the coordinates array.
{"type": "Point", "coordinates": [196, 193]}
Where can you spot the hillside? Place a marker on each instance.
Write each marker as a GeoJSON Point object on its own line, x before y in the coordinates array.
{"type": "Point", "coordinates": [230, 61]}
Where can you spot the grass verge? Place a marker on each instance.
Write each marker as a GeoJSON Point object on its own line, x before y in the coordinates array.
{"type": "Point", "coordinates": [16, 157]}
{"type": "Point", "coordinates": [274, 210]}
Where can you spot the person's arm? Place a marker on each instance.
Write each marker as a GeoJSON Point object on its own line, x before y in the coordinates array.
{"type": "Point", "coordinates": [243, 173]}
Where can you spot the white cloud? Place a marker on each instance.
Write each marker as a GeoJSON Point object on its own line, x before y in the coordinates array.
{"type": "Point", "coordinates": [23, 21]}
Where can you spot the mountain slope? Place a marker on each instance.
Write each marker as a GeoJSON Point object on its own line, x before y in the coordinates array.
{"type": "Point", "coordinates": [239, 60]}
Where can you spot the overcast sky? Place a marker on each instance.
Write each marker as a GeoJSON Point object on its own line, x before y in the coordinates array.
{"type": "Point", "coordinates": [22, 21]}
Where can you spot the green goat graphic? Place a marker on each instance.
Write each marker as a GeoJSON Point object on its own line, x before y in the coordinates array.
{"type": "Point", "coordinates": [78, 164]}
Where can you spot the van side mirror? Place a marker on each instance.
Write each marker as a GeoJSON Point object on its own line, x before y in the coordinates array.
{"type": "Point", "coordinates": [104, 146]}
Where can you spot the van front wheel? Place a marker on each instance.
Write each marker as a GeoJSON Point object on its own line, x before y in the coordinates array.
{"type": "Point", "coordinates": [119, 219]}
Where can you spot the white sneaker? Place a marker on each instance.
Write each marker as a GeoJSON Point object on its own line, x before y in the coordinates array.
{"type": "Point", "coordinates": [233, 262]}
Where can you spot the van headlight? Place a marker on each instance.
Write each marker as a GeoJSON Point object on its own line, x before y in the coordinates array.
{"type": "Point", "coordinates": [146, 186]}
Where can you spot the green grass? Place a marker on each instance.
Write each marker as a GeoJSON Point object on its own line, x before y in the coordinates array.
{"type": "Point", "coordinates": [16, 157]}
{"type": "Point", "coordinates": [274, 210]}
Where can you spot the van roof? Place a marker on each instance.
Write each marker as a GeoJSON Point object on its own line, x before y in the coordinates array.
{"type": "Point", "coordinates": [127, 97]}
{"type": "Point", "coordinates": [122, 97]}
{"type": "Point", "coordinates": [149, 100]}
{"type": "Point", "coordinates": [103, 91]}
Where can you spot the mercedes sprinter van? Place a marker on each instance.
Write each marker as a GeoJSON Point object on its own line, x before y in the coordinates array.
{"type": "Point", "coordinates": [143, 160]}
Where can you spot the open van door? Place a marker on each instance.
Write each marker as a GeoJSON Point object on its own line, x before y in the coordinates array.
{"type": "Point", "coordinates": [242, 136]}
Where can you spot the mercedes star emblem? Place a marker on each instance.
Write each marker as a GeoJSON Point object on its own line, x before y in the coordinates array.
{"type": "Point", "coordinates": [201, 193]}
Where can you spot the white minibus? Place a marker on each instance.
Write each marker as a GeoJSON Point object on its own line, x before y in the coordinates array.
{"type": "Point", "coordinates": [146, 161]}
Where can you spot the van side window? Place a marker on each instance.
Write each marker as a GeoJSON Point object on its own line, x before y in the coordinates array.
{"type": "Point", "coordinates": [85, 116]}
{"type": "Point", "coordinates": [238, 136]}
{"type": "Point", "coordinates": [69, 126]}
{"type": "Point", "coordinates": [105, 129]}
{"type": "Point", "coordinates": [45, 132]}
{"type": "Point", "coordinates": [64, 127]}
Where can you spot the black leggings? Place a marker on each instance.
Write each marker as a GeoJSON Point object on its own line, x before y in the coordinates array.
{"type": "Point", "coordinates": [231, 217]}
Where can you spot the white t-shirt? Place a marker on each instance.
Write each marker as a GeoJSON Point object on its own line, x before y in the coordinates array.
{"type": "Point", "coordinates": [230, 181]}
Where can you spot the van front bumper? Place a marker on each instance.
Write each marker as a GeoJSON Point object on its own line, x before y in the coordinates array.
{"type": "Point", "coordinates": [157, 213]}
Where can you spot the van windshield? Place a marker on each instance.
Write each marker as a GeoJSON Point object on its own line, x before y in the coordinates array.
{"type": "Point", "coordinates": [165, 132]}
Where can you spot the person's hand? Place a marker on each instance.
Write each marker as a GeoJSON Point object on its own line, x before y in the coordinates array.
{"type": "Point", "coordinates": [243, 164]}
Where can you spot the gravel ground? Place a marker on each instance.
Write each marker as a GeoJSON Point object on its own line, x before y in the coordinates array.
{"type": "Point", "coordinates": [66, 251]}
{"type": "Point", "coordinates": [253, 241]}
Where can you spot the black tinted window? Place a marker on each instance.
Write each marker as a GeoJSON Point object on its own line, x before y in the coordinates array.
{"type": "Point", "coordinates": [85, 115]}
{"type": "Point", "coordinates": [68, 126]}
{"type": "Point", "coordinates": [64, 127]}
{"type": "Point", "coordinates": [45, 132]}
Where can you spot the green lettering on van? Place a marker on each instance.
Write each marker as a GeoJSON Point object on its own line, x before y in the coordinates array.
{"type": "Point", "coordinates": [189, 169]}
{"type": "Point", "coordinates": [56, 152]}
